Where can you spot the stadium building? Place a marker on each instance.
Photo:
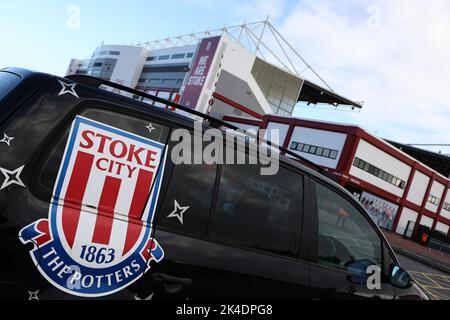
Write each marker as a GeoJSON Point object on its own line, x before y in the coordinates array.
{"type": "Point", "coordinates": [234, 74]}
{"type": "Point", "coordinates": [231, 70]}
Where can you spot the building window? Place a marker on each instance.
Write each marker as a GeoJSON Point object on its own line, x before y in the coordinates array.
{"type": "Point", "coordinates": [155, 82]}
{"type": "Point", "coordinates": [190, 55]}
{"type": "Point", "coordinates": [114, 53]}
{"type": "Point", "coordinates": [314, 150]}
{"type": "Point", "coordinates": [379, 173]}
{"type": "Point", "coordinates": [98, 64]}
{"type": "Point", "coordinates": [294, 145]}
{"type": "Point", "coordinates": [169, 81]}
{"type": "Point", "coordinates": [433, 200]}
{"type": "Point", "coordinates": [178, 56]}
{"type": "Point", "coordinates": [333, 154]}
{"type": "Point", "coordinates": [165, 57]}
{"type": "Point", "coordinates": [151, 58]}
{"type": "Point", "coordinates": [447, 206]}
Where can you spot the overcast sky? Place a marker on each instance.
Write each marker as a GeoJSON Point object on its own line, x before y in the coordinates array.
{"type": "Point", "coordinates": [392, 54]}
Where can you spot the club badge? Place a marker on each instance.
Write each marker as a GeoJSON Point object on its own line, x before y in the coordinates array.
{"type": "Point", "coordinates": [97, 239]}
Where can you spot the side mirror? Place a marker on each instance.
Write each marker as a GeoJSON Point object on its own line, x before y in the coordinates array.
{"type": "Point", "coordinates": [400, 278]}
{"type": "Point", "coordinates": [358, 271]}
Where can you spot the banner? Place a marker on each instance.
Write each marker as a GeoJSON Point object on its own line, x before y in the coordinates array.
{"type": "Point", "coordinates": [382, 212]}
{"type": "Point", "coordinates": [199, 72]}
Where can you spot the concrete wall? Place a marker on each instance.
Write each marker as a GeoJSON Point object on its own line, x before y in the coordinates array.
{"type": "Point", "coordinates": [442, 227]}
{"type": "Point", "coordinates": [418, 188]}
{"type": "Point", "coordinates": [444, 213]}
{"type": "Point", "coordinates": [238, 62]}
{"type": "Point", "coordinates": [282, 130]}
{"type": "Point", "coordinates": [237, 90]}
{"type": "Point", "coordinates": [427, 221]}
{"type": "Point", "coordinates": [406, 216]}
{"type": "Point", "coordinates": [129, 64]}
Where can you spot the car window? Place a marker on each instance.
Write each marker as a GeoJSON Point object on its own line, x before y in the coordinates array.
{"type": "Point", "coordinates": [346, 238]}
{"type": "Point", "coordinates": [188, 199]}
{"type": "Point", "coordinates": [255, 211]}
{"type": "Point", "coordinates": [7, 82]}
{"type": "Point", "coordinates": [138, 126]}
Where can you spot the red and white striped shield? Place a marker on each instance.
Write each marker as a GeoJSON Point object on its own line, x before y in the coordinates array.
{"type": "Point", "coordinates": [106, 192]}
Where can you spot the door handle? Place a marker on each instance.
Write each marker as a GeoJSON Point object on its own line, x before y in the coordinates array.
{"type": "Point", "coordinates": [168, 279]}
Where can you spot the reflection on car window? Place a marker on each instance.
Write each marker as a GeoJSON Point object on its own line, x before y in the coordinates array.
{"type": "Point", "coordinates": [258, 211]}
{"type": "Point", "coordinates": [7, 82]}
{"type": "Point", "coordinates": [346, 238]}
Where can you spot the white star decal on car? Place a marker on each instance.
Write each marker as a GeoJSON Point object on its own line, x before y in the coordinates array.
{"type": "Point", "coordinates": [6, 139]}
{"type": "Point", "coordinates": [33, 295]}
{"type": "Point", "coordinates": [68, 88]}
{"type": "Point", "coordinates": [178, 211]}
{"type": "Point", "coordinates": [12, 177]}
{"type": "Point", "coordinates": [150, 297]}
{"type": "Point", "coordinates": [150, 127]}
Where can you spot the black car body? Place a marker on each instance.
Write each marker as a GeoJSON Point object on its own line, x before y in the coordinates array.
{"type": "Point", "coordinates": [212, 231]}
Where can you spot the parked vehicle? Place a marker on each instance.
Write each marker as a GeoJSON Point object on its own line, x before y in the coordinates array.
{"type": "Point", "coordinates": [92, 206]}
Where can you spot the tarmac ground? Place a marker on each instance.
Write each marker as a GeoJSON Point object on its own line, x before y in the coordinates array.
{"type": "Point", "coordinates": [434, 282]}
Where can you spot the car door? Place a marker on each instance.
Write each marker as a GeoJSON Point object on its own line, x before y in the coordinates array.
{"type": "Point", "coordinates": [29, 113]}
{"type": "Point", "coordinates": [345, 245]}
{"type": "Point", "coordinates": [258, 222]}
{"type": "Point", "coordinates": [105, 172]}
{"type": "Point", "coordinates": [230, 233]}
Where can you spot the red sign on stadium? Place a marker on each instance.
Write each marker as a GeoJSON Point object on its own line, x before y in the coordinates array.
{"type": "Point", "coordinates": [199, 72]}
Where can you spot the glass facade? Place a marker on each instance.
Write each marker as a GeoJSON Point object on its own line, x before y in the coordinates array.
{"type": "Point", "coordinates": [280, 88]}
{"type": "Point", "coordinates": [101, 68]}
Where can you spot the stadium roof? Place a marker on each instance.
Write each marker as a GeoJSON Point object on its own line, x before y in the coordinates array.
{"type": "Point", "coordinates": [313, 93]}
{"type": "Point", "coordinates": [267, 43]}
